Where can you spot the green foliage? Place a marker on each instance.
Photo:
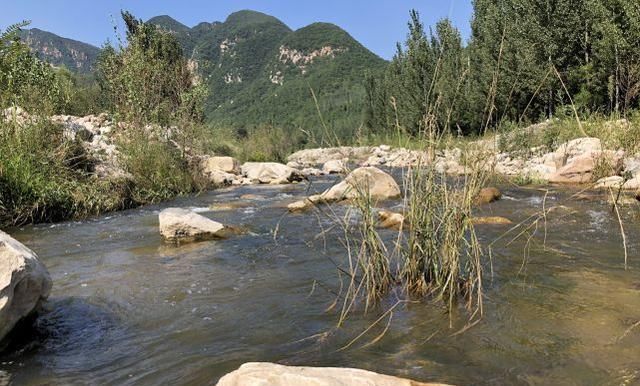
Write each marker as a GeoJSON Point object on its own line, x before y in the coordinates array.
{"type": "Point", "coordinates": [149, 83]}
{"type": "Point", "coordinates": [268, 143]}
{"type": "Point", "coordinates": [527, 60]}
{"type": "Point", "coordinates": [242, 76]}
{"type": "Point", "coordinates": [145, 81]}
{"type": "Point", "coordinates": [24, 80]}
{"type": "Point", "coordinates": [423, 84]}
{"type": "Point", "coordinates": [43, 177]}
{"type": "Point", "coordinates": [157, 169]}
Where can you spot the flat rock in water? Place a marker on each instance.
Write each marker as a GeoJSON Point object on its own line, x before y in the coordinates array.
{"type": "Point", "coordinates": [491, 220]}
{"type": "Point", "coordinates": [24, 283]}
{"type": "Point", "coordinates": [271, 374]}
{"type": "Point", "coordinates": [178, 224]}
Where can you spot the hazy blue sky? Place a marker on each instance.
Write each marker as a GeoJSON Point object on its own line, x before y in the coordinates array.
{"type": "Point", "coordinates": [378, 24]}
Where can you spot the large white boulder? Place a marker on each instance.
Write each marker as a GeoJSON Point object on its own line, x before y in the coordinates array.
{"type": "Point", "coordinates": [362, 181]}
{"type": "Point", "coordinates": [577, 147]}
{"type": "Point", "coordinates": [24, 283]}
{"type": "Point", "coordinates": [580, 168]}
{"type": "Point", "coordinates": [271, 374]}
{"type": "Point", "coordinates": [219, 163]}
{"type": "Point", "coordinates": [365, 180]}
{"type": "Point", "coordinates": [177, 224]}
{"type": "Point", "coordinates": [270, 172]}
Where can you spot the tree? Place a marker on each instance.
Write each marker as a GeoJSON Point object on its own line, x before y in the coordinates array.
{"type": "Point", "coordinates": [148, 80]}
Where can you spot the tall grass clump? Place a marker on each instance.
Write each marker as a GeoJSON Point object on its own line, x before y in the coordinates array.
{"type": "Point", "coordinates": [442, 256]}
{"type": "Point", "coordinates": [436, 255]}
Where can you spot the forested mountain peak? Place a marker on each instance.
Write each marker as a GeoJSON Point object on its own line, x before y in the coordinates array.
{"type": "Point", "coordinates": [168, 23]}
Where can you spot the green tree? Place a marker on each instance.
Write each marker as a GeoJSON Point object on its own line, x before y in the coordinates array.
{"type": "Point", "coordinates": [24, 80]}
{"type": "Point", "coordinates": [147, 80]}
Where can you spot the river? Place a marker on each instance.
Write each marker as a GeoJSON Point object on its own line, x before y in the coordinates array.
{"type": "Point", "coordinates": [127, 308]}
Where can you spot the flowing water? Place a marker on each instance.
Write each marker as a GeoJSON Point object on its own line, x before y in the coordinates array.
{"type": "Point", "coordinates": [127, 308]}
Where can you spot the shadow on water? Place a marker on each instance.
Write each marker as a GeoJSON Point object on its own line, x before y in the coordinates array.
{"type": "Point", "coordinates": [61, 335]}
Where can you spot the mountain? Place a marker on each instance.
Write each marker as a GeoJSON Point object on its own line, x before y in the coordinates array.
{"type": "Point", "coordinates": [76, 56]}
{"type": "Point", "coordinates": [259, 71]}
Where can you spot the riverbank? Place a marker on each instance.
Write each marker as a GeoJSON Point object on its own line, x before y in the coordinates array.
{"type": "Point", "coordinates": [88, 165]}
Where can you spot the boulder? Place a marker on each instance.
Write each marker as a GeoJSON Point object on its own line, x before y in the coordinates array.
{"type": "Point", "coordinates": [580, 168]}
{"type": "Point", "coordinates": [576, 147]}
{"type": "Point", "coordinates": [335, 166]}
{"type": "Point", "coordinates": [178, 224]}
{"type": "Point", "coordinates": [223, 164]}
{"type": "Point", "coordinates": [271, 374]}
{"type": "Point", "coordinates": [303, 205]}
{"type": "Point", "coordinates": [24, 283]}
{"type": "Point", "coordinates": [270, 172]}
{"type": "Point", "coordinates": [488, 195]}
{"type": "Point", "coordinates": [391, 220]}
{"type": "Point", "coordinates": [220, 178]}
{"type": "Point", "coordinates": [373, 181]}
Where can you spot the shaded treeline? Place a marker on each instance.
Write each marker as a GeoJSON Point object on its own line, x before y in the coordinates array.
{"type": "Point", "coordinates": [526, 60]}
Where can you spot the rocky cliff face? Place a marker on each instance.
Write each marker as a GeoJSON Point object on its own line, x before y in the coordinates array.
{"type": "Point", "coordinates": [59, 51]}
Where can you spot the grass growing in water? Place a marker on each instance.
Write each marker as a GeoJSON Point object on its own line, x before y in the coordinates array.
{"type": "Point", "coordinates": [436, 254]}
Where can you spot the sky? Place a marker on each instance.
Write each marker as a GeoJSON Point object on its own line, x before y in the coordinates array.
{"type": "Point", "coordinates": [377, 24]}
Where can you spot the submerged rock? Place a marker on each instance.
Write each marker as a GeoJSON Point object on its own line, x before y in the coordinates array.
{"type": "Point", "coordinates": [491, 220]}
{"type": "Point", "coordinates": [178, 224]}
{"type": "Point", "coordinates": [488, 195]}
{"type": "Point", "coordinates": [270, 172]}
{"type": "Point", "coordinates": [307, 203]}
{"type": "Point", "coordinates": [24, 283]}
{"type": "Point", "coordinates": [271, 374]}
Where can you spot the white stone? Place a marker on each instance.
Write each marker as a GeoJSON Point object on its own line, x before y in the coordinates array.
{"type": "Point", "coordinates": [221, 163]}
{"type": "Point", "coordinates": [365, 180]}
{"type": "Point", "coordinates": [183, 224]}
{"type": "Point", "coordinates": [268, 172]}
{"type": "Point", "coordinates": [24, 283]}
{"type": "Point", "coordinates": [271, 374]}
{"type": "Point", "coordinates": [334, 167]}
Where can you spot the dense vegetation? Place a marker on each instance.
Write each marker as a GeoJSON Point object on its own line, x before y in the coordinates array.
{"type": "Point", "coordinates": [251, 84]}
{"type": "Point", "coordinates": [527, 60]}
{"type": "Point", "coordinates": [46, 175]}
